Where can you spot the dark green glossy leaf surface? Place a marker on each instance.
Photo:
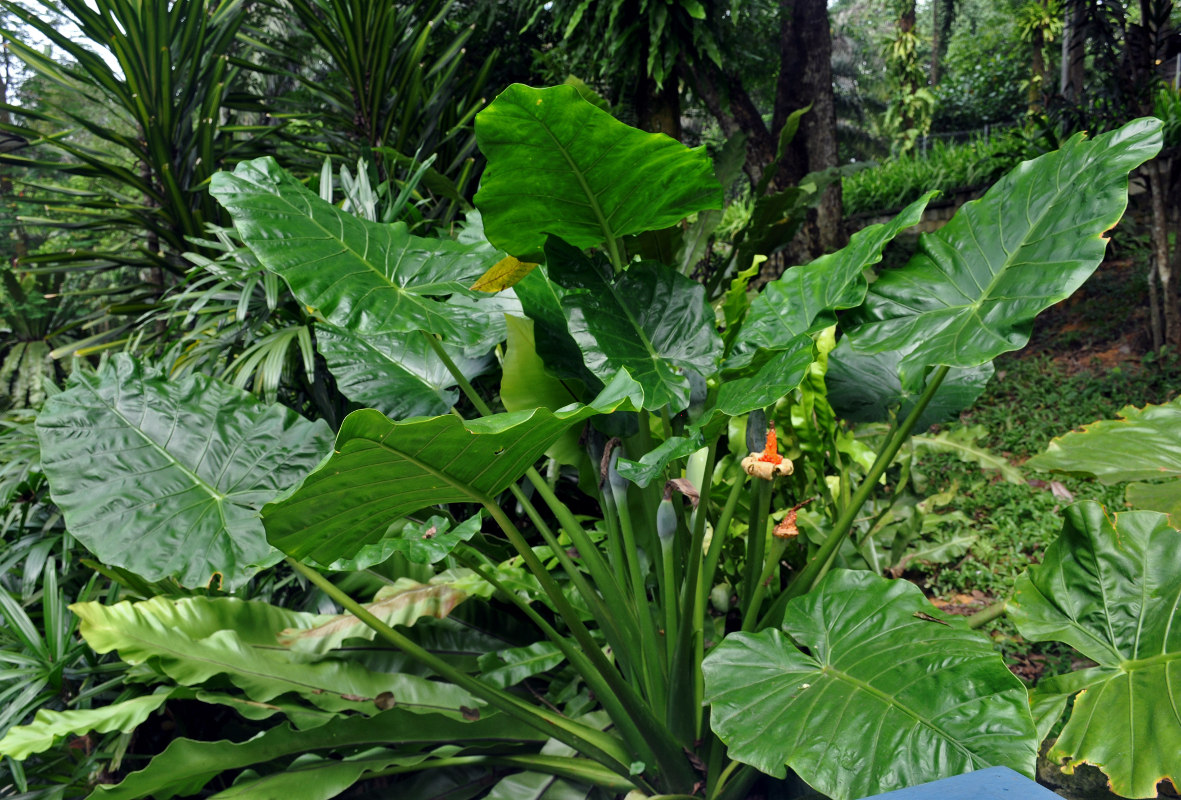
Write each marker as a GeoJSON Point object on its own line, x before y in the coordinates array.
{"type": "Point", "coordinates": [382, 470]}
{"type": "Point", "coordinates": [802, 300]}
{"type": "Point", "coordinates": [651, 321]}
{"type": "Point", "coordinates": [559, 166]}
{"type": "Point", "coordinates": [398, 374]}
{"type": "Point", "coordinates": [973, 288]}
{"type": "Point", "coordinates": [865, 387]}
{"type": "Point", "coordinates": [1110, 587]}
{"type": "Point", "coordinates": [166, 479]}
{"type": "Point", "coordinates": [186, 765]}
{"type": "Point", "coordinates": [880, 700]}
{"type": "Point", "coordinates": [362, 276]}
{"type": "Point", "coordinates": [782, 373]}
{"type": "Point", "coordinates": [652, 464]}
{"type": "Point", "coordinates": [1144, 444]}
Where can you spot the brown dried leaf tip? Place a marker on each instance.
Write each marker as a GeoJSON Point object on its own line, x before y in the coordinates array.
{"type": "Point", "coordinates": [787, 529]}
{"type": "Point", "coordinates": [769, 463]}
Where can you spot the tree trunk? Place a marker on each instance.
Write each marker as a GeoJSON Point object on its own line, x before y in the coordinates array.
{"type": "Point", "coordinates": [943, 14]}
{"type": "Point", "coordinates": [1073, 54]}
{"type": "Point", "coordinates": [1160, 254]}
{"type": "Point", "coordinates": [1037, 72]}
{"type": "Point", "coordinates": [658, 110]}
{"type": "Point", "coordinates": [805, 77]}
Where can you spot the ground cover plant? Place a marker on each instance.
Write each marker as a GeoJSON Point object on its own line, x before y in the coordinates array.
{"type": "Point", "coordinates": [945, 166]}
{"type": "Point", "coordinates": [684, 609]}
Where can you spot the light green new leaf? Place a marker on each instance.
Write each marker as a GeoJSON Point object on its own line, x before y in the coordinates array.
{"type": "Point", "coordinates": [186, 766]}
{"type": "Point", "coordinates": [525, 384]}
{"type": "Point", "coordinates": [972, 290]}
{"type": "Point", "coordinates": [1110, 587]}
{"type": "Point", "coordinates": [195, 639]}
{"type": "Point", "coordinates": [366, 277]}
{"type": "Point", "coordinates": [420, 542]}
{"type": "Point", "coordinates": [559, 166]}
{"type": "Point", "coordinates": [804, 298]}
{"type": "Point", "coordinates": [1142, 445]}
{"type": "Point", "coordinates": [48, 727]}
{"type": "Point", "coordinates": [165, 478]}
{"type": "Point", "coordinates": [879, 700]}
{"type": "Point", "coordinates": [651, 321]}
{"type": "Point", "coordinates": [383, 469]}
{"type": "Point", "coordinates": [398, 374]}
{"type": "Point", "coordinates": [403, 603]}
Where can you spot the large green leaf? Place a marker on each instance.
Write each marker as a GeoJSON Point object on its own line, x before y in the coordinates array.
{"type": "Point", "coordinates": [399, 375]}
{"type": "Point", "coordinates": [362, 276]}
{"type": "Point", "coordinates": [1110, 587]}
{"type": "Point", "coordinates": [1144, 444]}
{"type": "Point", "coordinates": [186, 766]}
{"type": "Point", "coordinates": [804, 298]}
{"type": "Point", "coordinates": [195, 639]}
{"type": "Point", "coordinates": [651, 321]}
{"type": "Point", "coordinates": [559, 166]}
{"type": "Point", "coordinates": [166, 479]}
{"type": "Point", "coordinates": [973, 288]}
{"type": "Point", "coordinates": [878, 699]}
{"type": "Point", "coordinates": [383, 469]}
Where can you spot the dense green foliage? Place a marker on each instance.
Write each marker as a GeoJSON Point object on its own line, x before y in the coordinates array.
{"type": "Point", "coordinates": [488, 464]}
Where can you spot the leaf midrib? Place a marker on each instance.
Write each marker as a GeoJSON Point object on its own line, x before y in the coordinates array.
{"type": "Point", "coordinates": [217, 496]}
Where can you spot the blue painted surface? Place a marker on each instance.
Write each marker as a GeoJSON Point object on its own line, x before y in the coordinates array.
{"type": "Point", "coordinates": [994, 783]}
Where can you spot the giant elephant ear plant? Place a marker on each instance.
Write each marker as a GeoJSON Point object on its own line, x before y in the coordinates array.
{"type": "Point", "coordinates": [606, 671]}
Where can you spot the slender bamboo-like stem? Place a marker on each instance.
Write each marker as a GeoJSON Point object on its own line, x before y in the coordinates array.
{"type": "Point", "coordinates": [815, 568]}
{"type": "Point", "coordinates": [601, 747]}
{"type": "Point", "coordinates": [670, 761]}
{"type": "Point", "coordinates": [595, 682]}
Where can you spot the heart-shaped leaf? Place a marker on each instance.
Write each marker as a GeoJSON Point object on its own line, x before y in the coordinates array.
{"type": "Point", "coordinates": [381, 470]}
{"type": "Point", "coordinates": [877, 699]}
{"type": "Point", "coordinates": [651, 321]}
{"type": "Point", "coordinates": [557, 165]}
{"type": "Point", "coordinates": [1144, 444]}
{"type": "Point", "coordinates": [972, 290]}
{"type": "Point", "coordinates": [166, 479]}
{"type": "Point", "coordinates": [1110, 587]}
{"type": "Point", "coordinates": [362, 276]}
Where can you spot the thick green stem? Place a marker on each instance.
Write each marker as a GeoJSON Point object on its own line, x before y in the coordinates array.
{"type": "Point", "coordinates": [596, 744]}
{"type": "Point", "coordinates": [807, 578]}
{"type": "Point", "coordinates": [987, 615]}
{"type": "Point", "coordinates": [756, 539]}
{"type": "Point", "coordinates": [778, 545]}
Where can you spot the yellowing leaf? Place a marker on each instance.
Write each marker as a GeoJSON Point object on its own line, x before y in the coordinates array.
{"type": "Point", "coordinates": [503, 274]}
